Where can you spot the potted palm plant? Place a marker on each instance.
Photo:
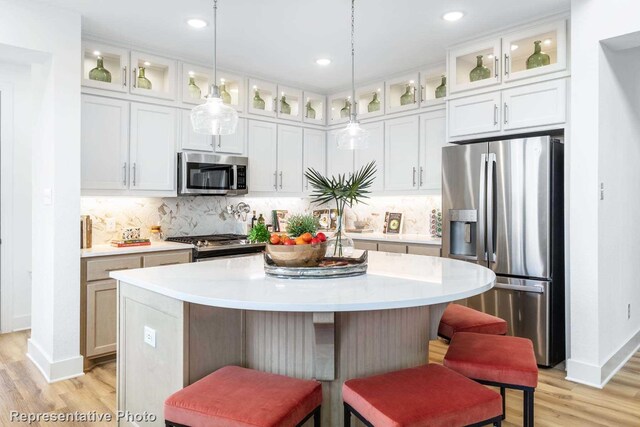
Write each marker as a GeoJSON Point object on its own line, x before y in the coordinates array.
{"type": "Point", "coordinates": [345, 191]}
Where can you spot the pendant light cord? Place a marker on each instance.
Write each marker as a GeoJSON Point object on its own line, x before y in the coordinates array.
{"type": "Point", "coordinates": [353, 63]}
{"type": "Point", "coordinates": [215, 92]}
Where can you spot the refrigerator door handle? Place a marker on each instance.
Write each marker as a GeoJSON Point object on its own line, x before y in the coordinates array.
{"type": "Point", "coordinates": [491, 206]}
{"type": "Point", "coordinates": [538, 289]}
{"type": "Point", "coordinates": [482, 205]}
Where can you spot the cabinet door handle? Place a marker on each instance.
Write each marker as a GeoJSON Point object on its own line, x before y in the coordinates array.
{"type": "Point", "coordinates": [124, 76]}
{"type": "Point", "coordinates": [497, 64]}
{"type": "Point", "coordinates": [422, 92]}
{"type": "Point", "coordinates": [281, 180]}
{"type": "Point", "coordinates": [507, 66]}
{"type": "Point", "coordinates": [414, 176]}
{"type": "Point", "coordinates": [506, 113]}
{"type": "Point", "coordinates": [421, 176]}
{"type": "Point", "coordinates": [124, 174]}
{"type": "Point", "coordinates": [134, 174]}
{"type": "Point", "coordinates": [134, 77]}
{"type": "Point", "coordinates": [306, 187]}
{"type": "Point", "coordinates": [495, 114]}
{"type": "Point", "coordinates": [275, 179]}
{"type": "Point", "coordinates": [219, 141]}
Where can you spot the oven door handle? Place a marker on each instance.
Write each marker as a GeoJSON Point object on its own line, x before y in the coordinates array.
{"type": "Point", "coordinates": [538, 289]}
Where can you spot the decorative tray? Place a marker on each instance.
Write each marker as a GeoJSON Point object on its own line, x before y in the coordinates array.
{"type": "Point", "coordinates": [331, 267]}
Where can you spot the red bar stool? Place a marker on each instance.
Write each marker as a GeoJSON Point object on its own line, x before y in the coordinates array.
{"type": "Point", "coordinates": [234, 397]}
{"type": "Point", "coordinates": [458, 318]}
{"type": "Point", "coordinates": [427, 395]}
{"type": "Point", "coordinates": [500, 361]}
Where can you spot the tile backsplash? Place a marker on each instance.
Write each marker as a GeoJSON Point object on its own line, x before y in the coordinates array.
{"type": "Point", "coordinates": [181, 216]}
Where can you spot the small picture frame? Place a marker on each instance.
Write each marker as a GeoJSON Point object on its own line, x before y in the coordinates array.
{"type": "Point", "coordinates": [392, 223]}
{"type": "Point", "coordinates": [327, 218]}
{"type": "Point", "coordinates": [279, 218]}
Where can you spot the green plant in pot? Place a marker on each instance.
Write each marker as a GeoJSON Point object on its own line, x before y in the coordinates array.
{"type": "Point", "coordinates": [259, 234]}
{"type": "Point", "coordinates": [344, 192]}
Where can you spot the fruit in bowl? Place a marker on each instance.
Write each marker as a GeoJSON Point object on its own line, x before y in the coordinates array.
{"type": "Point", "coordinates": [301, 246]}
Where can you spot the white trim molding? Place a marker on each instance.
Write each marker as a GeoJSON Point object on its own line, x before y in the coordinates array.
{"type": "Point", "coordinates": [54, 371]}
{"type": "Point", "coordinates": [6, 219]}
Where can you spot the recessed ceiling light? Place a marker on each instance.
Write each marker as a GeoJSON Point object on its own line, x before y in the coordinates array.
{"type": "Point", "coordinates": [514, 47]}
{"type": "Point", "coordinates": [197, 23]}
{"type": "Point", "coordinates": [452, 16]}
{"type": "Point", "coordinates": [323, 61]}
{"type": "Point", "coordinates": [96, 52]}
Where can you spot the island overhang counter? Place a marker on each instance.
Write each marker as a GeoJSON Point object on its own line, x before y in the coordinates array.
{"type": "Point", "coordinates": [199, 317]}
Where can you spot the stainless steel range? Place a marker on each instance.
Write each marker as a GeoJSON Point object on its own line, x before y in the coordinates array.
{"type": "Point", "coordinates": [219, 245]}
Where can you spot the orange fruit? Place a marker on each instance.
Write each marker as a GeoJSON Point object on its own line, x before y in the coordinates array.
{"type": "Point", "coordinates": [307, 237]}
{"type": "Point", "coordinates": [300, 241]}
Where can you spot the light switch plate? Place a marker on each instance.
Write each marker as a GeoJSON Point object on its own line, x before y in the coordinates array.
{"type": "Point", "coordinates": [150, 336]}
{"type": "Point", "coordinates": [111, 224]}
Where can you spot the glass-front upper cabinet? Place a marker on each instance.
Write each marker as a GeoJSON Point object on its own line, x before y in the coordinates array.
{"type": "Point", "coordinates": [314, 108]}
{"type": "Point", "coordinates": [538, 50]}
{"type": "Point", "coordinates": [290, 103]}
{"type": "Point", "coordinates": [402, 93]}
{"type": "Point", "coordinates": [433, 86]}
{"type": "Point", "coordinates": [339, 108]}
{"type": "Point", "coordinates": [474, 65]}
{"type": "Point", "coordinates": [263, 98]}
{"type": "Point", "coordinates": [195, 83]}
{"type": "Point", "coordinates": [370, 100]}
{"type": "Point", "coordinates": [105, 67]}
{"type": "Point", "coordinates": [232, 89]}
{"type": "Point", "coordinates": [153, 76]}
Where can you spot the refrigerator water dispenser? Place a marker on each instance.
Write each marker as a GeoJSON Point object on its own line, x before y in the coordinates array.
{"type": "Point", "coordinates": [463, 225]}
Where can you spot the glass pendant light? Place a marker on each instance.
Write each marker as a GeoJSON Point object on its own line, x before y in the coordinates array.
{"type": "Point", "coordinates": [214, 117]}
{"type": "Point", "coordinates": [353, 137]}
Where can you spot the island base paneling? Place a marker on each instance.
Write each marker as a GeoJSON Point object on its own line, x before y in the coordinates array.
{"type": "Point", "coordinates": [193, 340]}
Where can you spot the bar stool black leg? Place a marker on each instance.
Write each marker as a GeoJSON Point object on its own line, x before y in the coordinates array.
{"type": "Point", "coordinates": [503, 393]}
{"type": "Point", "coordinates": [317, 417]}
{"type": "Point", "coordinates": [528, 407]}
{"type": "Point", "coordinates": [347, 416]}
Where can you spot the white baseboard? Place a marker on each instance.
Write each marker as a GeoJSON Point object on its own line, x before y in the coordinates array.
{"type": "Point", "coordinates": [599, 376]}
{"type": "Point", "coordinates": [54, 371]}
{"type": "Point", "coordinates": [20, 323]}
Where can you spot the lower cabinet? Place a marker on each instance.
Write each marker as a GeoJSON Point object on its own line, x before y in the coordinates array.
{"type": "Point", "coordinates": [99, 301]}
{"type": "Point", "coordinates": [397, 247]}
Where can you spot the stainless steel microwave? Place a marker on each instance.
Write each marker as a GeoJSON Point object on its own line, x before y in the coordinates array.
{"type": "Point", "coordinates": [211, 174]}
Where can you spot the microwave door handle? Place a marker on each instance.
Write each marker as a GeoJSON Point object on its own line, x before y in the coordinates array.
{"type": "Point", "coordinates": [482, 202]}
{"type": "Point", "coordinates": [234, 178]}
{"type": "Point", "coordinates": [491, 207]}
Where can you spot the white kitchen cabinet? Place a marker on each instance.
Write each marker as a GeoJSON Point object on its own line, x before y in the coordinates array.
{"type": "Point", "coordinates": [314, 155]}
{"type": "Point", "coordinates": [317, 114]}
{"type": "Point", "coordinates": [339, 161]}
{"type": "Point", "coordinates": [293, 97]}
{"type": "Point", "coordinates": [519, 45]}
{"type": "Point", "coordinates": [396, 88]}
{"type": "Point", "coordinates": [430, 80]}
{"type": "Point", "coordinates": [262, 151]}
{"type": "Point", "coordinates": [401, 153]}
{"type": "Point", "coordinates": [365, 96]}
{"type": "Point", "coordinates": [465, 58]}
{"type": "Point", "coordinates": [375, 152]}
{"type": "Point", "coordinates": [195, 93]}
{"type": "Point", "coordinates": [115, 60]}
{"type": "Point", "coordinates": [234, 143]}
{"type": "Point", "coordinates": [540, 104]}
{"type": "Point", "coordinates": [432, 139]}
{"type": "Point", "coordinates": [268, 92]}
{"type": "Point", "coordinates": [339, 108]}
{"type": "Point", "coordinates": [235, 86]}
{"type": "Point", "coordinates": [190, 140]}
{"type": "Point", "coordinates": [105, 143]}
{"type": "Point", "coordinates": [474, 115]}
{"type": "Point", "coordinates": [152, 148]}
{"type": "Point", "coordinates": [161, 72]}
{"type": "Point", "coordinates": [289, 159]}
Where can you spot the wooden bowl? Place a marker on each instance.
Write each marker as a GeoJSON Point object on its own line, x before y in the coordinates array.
{"type": "Point", "coordinates": [297, 255]}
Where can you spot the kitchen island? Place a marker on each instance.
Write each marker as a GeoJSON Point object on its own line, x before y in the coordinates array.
{"type": "Point", "coordinates": [179, 323]}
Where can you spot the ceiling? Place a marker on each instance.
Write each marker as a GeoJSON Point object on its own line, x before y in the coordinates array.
{"type": "Point", "coordinates": [281, 39]}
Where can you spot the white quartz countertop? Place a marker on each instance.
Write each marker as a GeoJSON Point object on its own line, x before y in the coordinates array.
{"type": "Point", "coordinates": [106, 250]}
{"type": "Point", "coordinates": [420, 239]}
{"type": "Point", "coordinates": [392, 281]}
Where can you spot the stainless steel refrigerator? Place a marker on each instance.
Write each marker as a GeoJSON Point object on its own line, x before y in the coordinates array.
{"type": "Point", "coordinates": [503, 209]}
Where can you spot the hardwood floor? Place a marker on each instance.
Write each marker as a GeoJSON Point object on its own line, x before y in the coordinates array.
{"type": "Point", "coordinates": [557, 402]}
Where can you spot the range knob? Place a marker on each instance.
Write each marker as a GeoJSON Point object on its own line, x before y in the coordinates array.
{"type": "Point", "coordinates": [206, 243]}
{"type": "Point", "coordinates": [199, 243]}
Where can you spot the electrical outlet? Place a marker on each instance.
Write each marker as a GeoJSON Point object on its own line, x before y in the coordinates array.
{"type": "Point", "coordinates": [150, 336]}
{"type": "Point", "coordinates": [628, 311]}
{"type": "Point", "coordinates": [111, 225]}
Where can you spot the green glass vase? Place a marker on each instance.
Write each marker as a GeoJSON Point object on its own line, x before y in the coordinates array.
{"type": "Point", "coordinates": [374, 105]}
{"type": "Point", "coordinates": [100, 73]}
{"type": "Point", "coordinates": [194, 90]}
{"type": "Point", "coordinates": [310, 112]}
{"type": "Point", "coordinates": [345, 112]}
{"type": "Point", "coordinates": [538, 58]}
{"type": "Point", "coordinates": [441, 91]}
{"type": "Point", "coordinates": [285, 108]}
{"type": "Point", "coordinates": [407, 97]}
{"type": "Point", "coordinates": [226, 96]}
{"type": "Point", "coordinates": [480, 72]}
{"type": "Point", "coordinates": [143, 82]}
{"type": "Point", "coordinates": [258, 103]}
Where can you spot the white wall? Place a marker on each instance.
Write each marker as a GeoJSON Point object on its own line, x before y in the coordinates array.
{"type": "Point", "coordinates": [17, 239]}
{"type": "Point", "coordinates": [51, 39]}
{"type": "Point", "coordinates": [601, 338]}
